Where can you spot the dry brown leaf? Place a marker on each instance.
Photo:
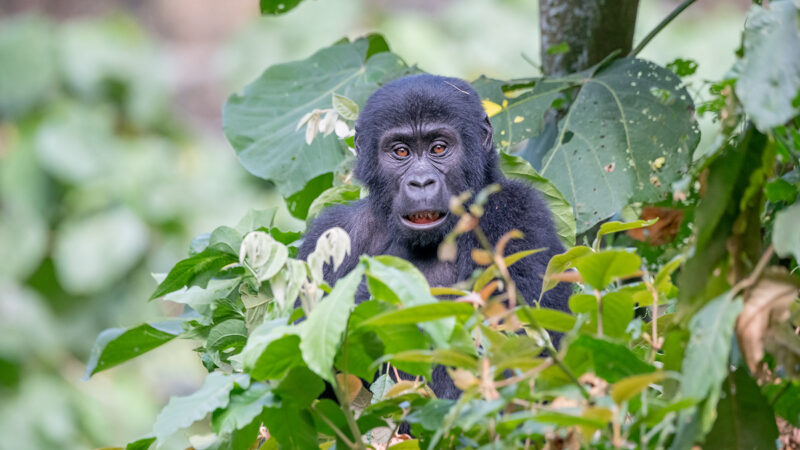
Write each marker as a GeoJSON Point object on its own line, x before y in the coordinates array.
{"type": "Point", "coordinates": [766, 306]}
{"type": "Point", "coordinates": [351, 385]}
{"type": "Point", "coordinates": [663, 231]}
{"type": "Point", "coordinates": [463, 379]}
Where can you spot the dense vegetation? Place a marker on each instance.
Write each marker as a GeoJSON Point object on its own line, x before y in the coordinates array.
{"type": "Point", "coordinates": [683, 324]}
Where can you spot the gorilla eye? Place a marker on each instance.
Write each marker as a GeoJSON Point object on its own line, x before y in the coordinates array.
{"type": "Point", "coordinates": [438, 149]}
{"type": "Point", "coordinates": [402, 152]}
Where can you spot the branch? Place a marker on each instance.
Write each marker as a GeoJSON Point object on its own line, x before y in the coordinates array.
{"type": "Point", "coordinates": [660, 27]}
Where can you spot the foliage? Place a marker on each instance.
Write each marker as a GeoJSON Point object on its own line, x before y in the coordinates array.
{"type": "Point", "coordinates": [646, 355]}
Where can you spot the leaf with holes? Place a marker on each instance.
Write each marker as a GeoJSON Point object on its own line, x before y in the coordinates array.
{"type": "Point", "coordinates": [628, 136]}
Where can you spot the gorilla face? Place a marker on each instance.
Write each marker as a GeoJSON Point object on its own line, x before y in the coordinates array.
{"type": "Point", "coordinates": [420, 159]}
{"type": "Point", "coordinates": [420, 140]}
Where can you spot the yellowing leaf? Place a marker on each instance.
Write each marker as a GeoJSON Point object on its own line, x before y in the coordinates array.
{"type": "Point", "coordinates": [627, 388]}
{"type": "Point", "coordinates": [491, 108]}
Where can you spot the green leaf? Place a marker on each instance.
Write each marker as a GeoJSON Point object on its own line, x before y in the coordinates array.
{"type": "Point", "coordinates": [615, 227]}
{"type": "Point", "coordinates": [560, 263]}
{"type": "Point", "coordinates": [291, 427]}
{"type": "Point", "coordinates": [342, 194]}
{"type": "Point", "coordinates": [277, 7]}
{"type": "Point", "coordinates": [601, 268]}
{"type": "Point", "coordinates": [243, 408]}
{"type": "Point", "coordinates": [628, 135]}
{"type": "Point", "coordinates": [300, 202]}
{"type": "Point", "coordinates": [346, 108]}
{"type": "Point", "coordinates": [358, 353]}
{"type": "Point", "coordinates": [255, 219]}
{"type": "Point", "coordinates": [380, 388]}
{"type": "Point", "coordinates": [785, 235]}
{"type": "Point", "coordinates": [299, 387]}
{"type": "Point", "coordinates": [230, 334]}
{"type": "Point", "coordinates": [27, 49]}
{"type": "Point", "coordinates": [201, 299]}
{"type": "Point", "coordinates": [626, 388]}
{"type": "Point", "coordinates": [770, 71]}
{"type": "Point", "coordinates": [744, 418]}
{"type": "Point", "coordinates": [322, 332]}
{"type": "Point", "coordinates": [181, 412]}
{"type": "Point", "coordinates": [278, 357]}
{"type": "Point", "coordinates": [400, 282]}
{"type": "Point", "coordinates": [785, 397]}
{"type": "Point", "coordinates": [116, 345]}
{"type": "Point", "coordinates": [705, 362]}
{"type": "Point", "coordinates": [551, 319]}
{"type": "Point", "coordinates": [780, 190]}
{"type": "Point", "coordinates": [517, 168]}
{"type": "Point", "coordinates": [445, 357]}
{"type": "Point", "coordinates": [261, 124]}
{"type": "Point", "coordinates": [617, 311]}
{"type": "Point", "coordinates": [683, 67]}
{"type": "Point", "coordinates": [420, 313]}
{"type": "Point", "coordinates": [141, 444]}
{"type": "Point", "coordinates": [195, 270]}
{"type": "Point", "coordinates": [610, 361]}
{"type": "Point", "coordinates": [517, 112]}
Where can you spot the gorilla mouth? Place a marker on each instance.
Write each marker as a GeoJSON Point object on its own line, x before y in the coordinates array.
{"type": "Point", "coordinates": [423, 220]}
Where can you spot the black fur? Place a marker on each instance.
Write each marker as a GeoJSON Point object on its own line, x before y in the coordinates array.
{"type": "Point", "coordinates": [373, 223]}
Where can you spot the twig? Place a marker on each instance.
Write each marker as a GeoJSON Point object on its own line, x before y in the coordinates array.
{"type": "Point", "coordinates": [751, 279]}
{"type": "Point", "coordinates": [660, 27]}
{"type": "Point", "coordinates": [599, 312]}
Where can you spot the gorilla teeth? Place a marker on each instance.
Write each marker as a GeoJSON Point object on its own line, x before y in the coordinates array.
{"type": "Point", "coordinates": [424, 216]}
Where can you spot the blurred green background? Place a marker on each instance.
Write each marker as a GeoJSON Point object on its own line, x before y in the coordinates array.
{"type": "Point", "coordinates": [112, 159]}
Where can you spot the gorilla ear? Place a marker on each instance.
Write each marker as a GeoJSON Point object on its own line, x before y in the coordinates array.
{"type": "Point", "coordinates": [488, 132]}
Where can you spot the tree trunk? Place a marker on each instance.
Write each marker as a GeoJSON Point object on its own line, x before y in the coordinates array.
{"type": "Point", "coordinates": [591, 28]}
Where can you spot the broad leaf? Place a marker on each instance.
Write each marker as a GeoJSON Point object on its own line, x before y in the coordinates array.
{"type": "Point", "coordinates": [601, 268]}
{"type": "Point", "coordinates": [181, 412]}
{"type": "Point", "coordinates": [705, 363]}
{"type": "Point", "coordinates": [344, 193]}
{"type": "Point", "coordinates": [261, 124]}
{"type": "Point", "coordinates": [299, 387]}
{"type": "Point", "coordinates": [628, 136]}
{"type": "Point", "coordinates": [116, 345]}
{"type": "Point", "coordinates": [517, 168]}
{"type": "Point", "coordinates": [201, 299]}
{"type": "Point", "coordinates": [278, 357]}
{"type": "Point", "coordinates": [242, 409]}
{"type": "Point", "coordinates": [322, 332]}
{"type": "Point", "coordinates": [769, 81]}
{"type": "Point", "coordinates": [615, 227]}
{"type": "Point", "coordinates": [560, 263]}
{"type": "Point", "coordinates": [517, 112]}
{"type": "Point", "coordinates": [626, 388]}
{"type": "Point", "coordinates": [420, 313]}
{"type": "Point", "coordinates": [608, 360]}
{"type": "Point", "coordinates": [551, 319]}
{"type": "Point", "coordinates": [195, 270]}
{"type": "Point", "coordinates": [744, 417]}
{"type": "Point", "coordinates": [398, 281]}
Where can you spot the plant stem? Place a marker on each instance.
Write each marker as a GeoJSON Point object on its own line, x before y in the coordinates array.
{"type": "Point", "coordinates": [351, 422]}
{"type": "Point", "coordinates": [599, 312]}
{"type": "Point", "coordinates": [336, 430]}
{"type": "Point", "coordinates": [660, 27]}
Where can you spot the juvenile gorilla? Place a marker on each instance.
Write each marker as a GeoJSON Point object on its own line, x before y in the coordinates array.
{"type": "Point", "coordinates": [420, 140]}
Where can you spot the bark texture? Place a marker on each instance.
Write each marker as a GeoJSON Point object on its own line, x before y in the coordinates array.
{"type": "Point", "coordinates": [591, 28]}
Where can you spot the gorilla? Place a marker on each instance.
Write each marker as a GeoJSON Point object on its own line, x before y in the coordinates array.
{"type": "Point", "coordinates": [419, 140]}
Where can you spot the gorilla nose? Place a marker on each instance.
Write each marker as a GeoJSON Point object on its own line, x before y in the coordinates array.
{"type": "Point", "coordinates": [421, 182]}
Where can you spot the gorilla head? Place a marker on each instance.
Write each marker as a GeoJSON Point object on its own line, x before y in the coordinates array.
{"type": "Point", "coordinates": [419, 140]}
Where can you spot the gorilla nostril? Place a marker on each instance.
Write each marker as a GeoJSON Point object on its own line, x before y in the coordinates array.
{"type": "Point", "coordinates": [421, 183]}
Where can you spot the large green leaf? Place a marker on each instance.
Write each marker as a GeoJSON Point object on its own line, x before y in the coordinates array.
{"type": "Point", "coordinates": [420, 313]}
{"type": "Point", "coordinates": [261, 124]}
{"type": "Point", "coordinates": [628, 136]}
{"type": "Point", "coordinates": [705, 363]}
{"type": "Point", "coordinates": [243, 408]}
{"type": "Point", "coordinates": [396, 280]}
{"type": "Point", "coordinates": [322, 332]}
{"type": "Point", "coordinates": [769, 81]}
{"type": "Point", "coordinates": [195, 270]}
{"type": "Point", "coordinates": [744, 417]}
{"type": "Point", "coordinates": [610, 361]}
{"type": "Point", "coordinates": [181, 412]}
{"type": "Point", "coordinates": [517, 168]}
{"type": "Point", "coordinates": [29, 64]}
{"type": "Point", "coordinates": [601, 268]}
{"type": "Point", "coordinates": [116, 345]}
{"type": "Point", "coordinates": [517, 112]}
